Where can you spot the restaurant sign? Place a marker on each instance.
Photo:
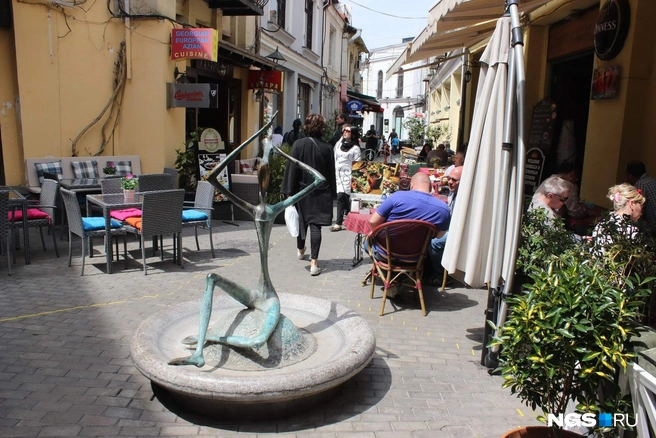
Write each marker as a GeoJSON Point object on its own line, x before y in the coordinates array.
{"type": "Point", "coordinates": [201, 43]}
{"type": "Point", "coordinates": [354, 105]}
{"type": "Point", "coordinates": [605, 81]}
{"type": "Point", "coordinates": [611, 28]}
{"type": "Point", "coordinates": [192, 95]}
{"type": "Point", "coordinates": [265, 79]}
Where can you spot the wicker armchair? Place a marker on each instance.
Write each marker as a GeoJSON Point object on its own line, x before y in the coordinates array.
{"type": "Point", "coordinates": [161, 213]}
{"type": "Point", "coordinates": [174, 174]}
{"type": "Point", "coordinates": [88, 227]}
{"type": "Point", "coordinates": [42, 214]}
{"type": "Point", "coordinates": [199, 213]}
{"type": "Point", "coordinates": [5, 229]}
{"type": "Point", "coordinates": [110, 185]}
{"type": "Point", "coordinates": [153, 182]}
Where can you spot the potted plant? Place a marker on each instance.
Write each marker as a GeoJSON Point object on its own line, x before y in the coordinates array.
{"type": "Point", "coordinates": [568, 335]}
{"type": "Point", "coordinates": [109, 169]}
{"type": "Point", "coordinates": [187, 163]}
{"type": "Point", "coordinates": [416, 127]}
{"type": "Point", "coordinates": [277, 165]}
{"type": "Point", "coordinates": [129, 184]}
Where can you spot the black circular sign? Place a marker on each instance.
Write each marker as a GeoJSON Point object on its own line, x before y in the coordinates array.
{"type": "Point", "coordinates": [611, 28]}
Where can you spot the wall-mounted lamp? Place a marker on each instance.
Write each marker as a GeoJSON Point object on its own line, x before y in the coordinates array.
{"type": "Point", "coordinates": [257, 95]}
{"type": "Point", "coordinates": [276, 57]}
{"type": "Point", "coordinates": [468, 76]}
{"type": "Point", "coordinates": [222, 70]}
{"type": "Point", "coordinates": [180, 77]}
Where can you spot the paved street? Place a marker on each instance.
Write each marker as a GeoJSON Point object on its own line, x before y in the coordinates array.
{"type": "Point", "coordinates": [65, 368]}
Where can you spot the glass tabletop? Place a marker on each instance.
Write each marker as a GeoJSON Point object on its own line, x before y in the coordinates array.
{"type": "Point", "coordinates": [115, 199]}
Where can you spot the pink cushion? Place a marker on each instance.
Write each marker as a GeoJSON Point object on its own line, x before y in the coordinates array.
{"type": "Point", "coordinates": [32, 213]}
{"type": "Point", "coordinates": [124, 214]}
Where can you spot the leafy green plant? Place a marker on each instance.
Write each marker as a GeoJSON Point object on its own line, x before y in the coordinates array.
{"type": "Point", "coordinates": [277, 164]}
{"type": "Point", "coordinates": [109, 169]}
{"type": "Point", "coordinates": [129, 182]}
{"type": "Point", "coordinates": [416, 129]}
{"type": "Point", "coordinates": [187, 163]}
{"type": "Point", "coordinates": [331, 126]}
{"type": "Point", "coordinates": [438, 133]}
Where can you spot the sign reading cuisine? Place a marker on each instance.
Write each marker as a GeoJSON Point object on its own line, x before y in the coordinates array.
{"type": "Point", "coordinates": [369, 181]}
{"type": "Point", "coordinates": [194, 44]}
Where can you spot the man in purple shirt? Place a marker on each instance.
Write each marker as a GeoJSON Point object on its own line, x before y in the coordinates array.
{"type": "Point", "coordinates": [418, 204]}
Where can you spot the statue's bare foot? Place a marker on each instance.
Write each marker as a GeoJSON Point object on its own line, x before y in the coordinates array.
{"type": "Point", "coordinates": [190, 340]}
{"type": "Point", "coordinates": [191, 360]}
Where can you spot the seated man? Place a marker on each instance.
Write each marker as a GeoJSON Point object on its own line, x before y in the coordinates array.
{"type": "Point", "coordinates": [418, 204]}
{"type": "Point", "coordinates": [554, 194]}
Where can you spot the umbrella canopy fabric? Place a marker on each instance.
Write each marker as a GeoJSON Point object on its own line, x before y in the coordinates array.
{"type": "Point", "coordinates": [477, 233]}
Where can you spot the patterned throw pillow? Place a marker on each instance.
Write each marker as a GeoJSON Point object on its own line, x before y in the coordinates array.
{"type": "Point", "coordinates": [123, 168]}
{"type": "Point", "coordinates": [85, 169]}
{"type": "Point", "coordinates": [54, 167]}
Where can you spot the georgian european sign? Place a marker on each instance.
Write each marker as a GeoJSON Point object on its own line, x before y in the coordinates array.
{"type": "Point", "coordinates": [612, 28]}
{"type": "Point", "coordinates": [201, 43]}
{"type": "Point", "coordinates": [192, 95]}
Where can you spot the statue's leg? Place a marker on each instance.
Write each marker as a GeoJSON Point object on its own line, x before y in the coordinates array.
{"type": "Point", "coordinates": [272, 311]}
{"type": "Point", "coordinates": [239, 293]}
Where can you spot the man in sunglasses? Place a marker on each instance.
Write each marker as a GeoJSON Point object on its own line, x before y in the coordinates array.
{"type": "Point", "coordinates": [554, 195]}
{"type": "Point", "coordinates": [454, 184]}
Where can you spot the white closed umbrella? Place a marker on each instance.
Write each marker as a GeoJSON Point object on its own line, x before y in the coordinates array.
{"type": "Point", "coordinates": [484, 231]}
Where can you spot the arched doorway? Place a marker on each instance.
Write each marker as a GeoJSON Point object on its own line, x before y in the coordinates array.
{"type": "Point", "coordinates": [398, 121]}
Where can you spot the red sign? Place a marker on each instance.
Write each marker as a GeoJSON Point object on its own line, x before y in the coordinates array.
{"type": "Point", "coordinates": [270, 79]}
{"type": "Point", "coordinates": [194, 44]}
{"type": "Point", "coordinates": [604, 82]}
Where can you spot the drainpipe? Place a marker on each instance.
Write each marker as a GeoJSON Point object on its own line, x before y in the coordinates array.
{"type": "Point", "coordinates": [463, 103]}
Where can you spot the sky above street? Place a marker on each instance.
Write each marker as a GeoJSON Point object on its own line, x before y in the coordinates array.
{"type": "Point", "coordinates": [387, 22]}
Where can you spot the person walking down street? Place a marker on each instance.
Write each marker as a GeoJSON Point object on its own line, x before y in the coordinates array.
{"type": "Point", "coordinates": [340, 120]}
{"type": "Point", "coordinates": [372, 140]}
{"type": "Point", "coordinates": [277, 138]}
{"type": "Point", "coordinates": [346, 152]}
{"type": "Point", "coordinates": [296, 133]}
{"type": "Point", "coordinates": [316, 209]}
{"type": "Point", "coordinates": [393, 140]}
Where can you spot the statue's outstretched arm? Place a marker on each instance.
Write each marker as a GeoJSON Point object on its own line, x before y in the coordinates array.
{"type": "Point", "coordinates": [212, 178]}
{"type": "Point", "coordinates": [318, 180]}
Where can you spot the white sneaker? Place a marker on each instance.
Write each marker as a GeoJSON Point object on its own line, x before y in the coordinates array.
{"type": "Point", "coordinates": [300, 253]}
{"type": "Point", "coordinates": [315, 270]}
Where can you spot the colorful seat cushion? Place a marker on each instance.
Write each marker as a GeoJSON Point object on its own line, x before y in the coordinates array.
{"type": "Point", "coordinates": [193, 215]}
{"type": "Point", "coordinates": [98, 223]}
{"type": "Point", "coordinates": [125, 214]}
{"type": "Point", "coordinates": [32, 213]}
{"type": "Point", "coordinates": [85, 169]}
{"type": "Point", "coordinates": [135, 222]}
{"type": "Point", "coordinates": [123, 168]}
{"type": "Point", "coordinates": [53, 167]}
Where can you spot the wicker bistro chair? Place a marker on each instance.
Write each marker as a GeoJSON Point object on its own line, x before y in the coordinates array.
{"type": "Point", "coordinates": [199, 213]}
{"type": "Point", "coordinates": [153, 182]}
{"type": "Point", "coordinates": [161, 213]}
{"type": "Point", "coordinates": [399, 248]}
{"type": "Point", "coordinates": [5, 228]}
{"type": "Point", "coordinates": [110, 186]}
{"type": "Point", "coordinates": [41, 215]}
{"type": "Point", "coordinates": [174, 174]}
{"type": "Point", "coordinates": [88, 227]}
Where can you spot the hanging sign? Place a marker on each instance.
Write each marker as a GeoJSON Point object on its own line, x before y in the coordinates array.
{"type": "Point", "coordinates": [202, 43]}
{"type": "Point", "coordinates": [604, 82]}
{"type": "Point", "coordinates": [354, 105]}
{"type": "Point", "coordinates": [541, 133]}
{"type": "Point", "coordinates": [612, 28]}
{"type": "Point", "coordinates": [270, 80]}
{"type": "Point", "coordinates": [192, 95]}
{"type": "Point", "coordinates": [533, 174]}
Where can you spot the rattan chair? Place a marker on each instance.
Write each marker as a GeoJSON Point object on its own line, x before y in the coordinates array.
{"type": "Point", "coordinates": [153, 182]}
{"type": "Point", "coordinates": [161, 213]}
{"type": "Point", "coordinates": [400, 250]}
{"type": "Point", "coordinates": [5, 228]}
{"type": "Point", "coordinates": [110, 186]}
{"type": "Point", "coordinates": [174, 174]}
{"type": "Point", "coordinates": [88, 227]}
{"type": "Point", "coordinates": [41, 214]}
{"type": "Point", "coordinates": [199, 213]}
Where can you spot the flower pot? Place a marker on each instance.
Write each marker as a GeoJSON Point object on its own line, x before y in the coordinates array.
{"type": "Point", "coordinates": [540, 432]}
{"type": "Point", "coordinates": [128, 195]}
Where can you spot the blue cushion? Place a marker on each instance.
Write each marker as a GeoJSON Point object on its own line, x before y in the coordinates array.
{"type": "Point", "coordinates": [98, 223]}
{"type": "Point", "coordinates": [193, 215]}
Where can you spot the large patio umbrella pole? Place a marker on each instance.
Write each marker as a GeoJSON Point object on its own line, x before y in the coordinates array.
{"type": "Point", "coordinates": [511, 185]}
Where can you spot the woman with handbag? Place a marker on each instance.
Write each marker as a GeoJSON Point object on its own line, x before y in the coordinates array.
{"type": "Point", "coordinates": [315, 209]}
{"type": "Point", "coordinates": [346, 152]}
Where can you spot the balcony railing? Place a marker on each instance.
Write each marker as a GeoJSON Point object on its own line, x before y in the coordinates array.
{"type": "Point", "coordinates": [238, 7]}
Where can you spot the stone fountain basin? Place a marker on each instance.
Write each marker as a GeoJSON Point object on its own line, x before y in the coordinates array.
{"type": "Point", "coordinates": [345, 344]}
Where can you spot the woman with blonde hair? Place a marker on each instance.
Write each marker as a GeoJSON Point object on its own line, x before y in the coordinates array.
{"type": "Point", "coordinates": [627, 208]}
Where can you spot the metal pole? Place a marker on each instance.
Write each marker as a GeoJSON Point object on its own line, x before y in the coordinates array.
{"type": "Point", "coordinates": [520, 153]}
{"type": "Point", "coordinates": [463, 104]}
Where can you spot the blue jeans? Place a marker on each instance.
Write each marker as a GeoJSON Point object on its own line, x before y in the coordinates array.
{"type": "Point", "coordinates": [435, 252]}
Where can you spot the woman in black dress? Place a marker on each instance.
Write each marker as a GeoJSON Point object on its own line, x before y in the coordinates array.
{"type": "Point", "coordinates": [316, 209]}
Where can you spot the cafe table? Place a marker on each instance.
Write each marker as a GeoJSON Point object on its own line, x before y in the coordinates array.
{"type": "Point", "coordinates": [109, 203]}
{"type": "Point", "coordinates": [358, 223]}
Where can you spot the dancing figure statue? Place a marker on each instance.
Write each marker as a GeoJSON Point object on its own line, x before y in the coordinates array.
{"type": "Point", "coordinates": [263, 298]}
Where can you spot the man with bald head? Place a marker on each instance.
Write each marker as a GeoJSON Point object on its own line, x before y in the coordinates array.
{"type": "Point", "coordinates": [418, 204]}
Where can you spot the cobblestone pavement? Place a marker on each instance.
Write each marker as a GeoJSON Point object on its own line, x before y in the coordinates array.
{"type": "Point", "coordinates": [65, 368]}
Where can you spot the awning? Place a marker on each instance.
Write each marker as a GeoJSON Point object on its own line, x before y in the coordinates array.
{"type": "Point", "coordinates": [454, 24]}
{"type": "Point", "coordinates": [369, 102]}
{"type": "Point", "coordinates": [242, 57]}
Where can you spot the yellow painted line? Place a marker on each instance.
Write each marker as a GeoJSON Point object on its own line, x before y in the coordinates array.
{"type": "Point", "coordinates": [473, 354]}
{"type": "Point", "coordinates": [358, 304]}
{"type": "Point", "coordinates": [66, 309]}
{"type": "Point", "coordinates": [403, 322]}
{"type": "Point", "coordinates": [521, 414]}
{"type": "Point", "coordinates": [179, 288]}
{"type": "Point", "coordinates": [391, 318]}
{"type": "Point", "coordinates": [171, 293]}
{"type": "Point", "coordinates": [457, 345]}
{"type": "Point", "coordinates": [416, 328]}
{"type": "Point", "coordinates": [150, 296]}
{"type": "Point", "coordinates": [348, 301]}
{"type": "Point", "coordinates": [370, 309]}
{"type": "Point", "coordinates": [442, 339]}
{"type": "Point", "coordinates": [427, 333]}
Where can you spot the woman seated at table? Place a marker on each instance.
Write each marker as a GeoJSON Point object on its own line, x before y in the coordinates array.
{"type": "Point", "coordinates": [424, 152]}
{"type": "Point", "coordinates": [627, 209]}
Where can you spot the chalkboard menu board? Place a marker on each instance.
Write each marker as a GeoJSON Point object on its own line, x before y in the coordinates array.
{"type": "Point", "coordinates": [542, 125]}
{"type": "Point", "coordinates": [533, 172]}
